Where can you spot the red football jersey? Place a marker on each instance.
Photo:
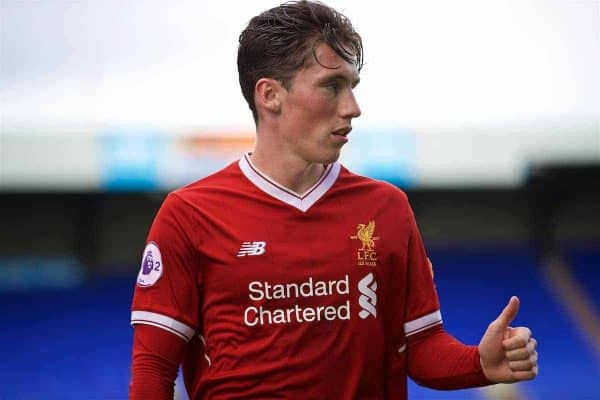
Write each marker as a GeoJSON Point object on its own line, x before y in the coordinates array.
{"type": "Point", "coordinates": [282, 295]}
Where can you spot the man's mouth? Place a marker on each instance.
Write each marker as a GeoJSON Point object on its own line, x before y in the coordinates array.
{"type": "Point", "coordinates": [342, 131]}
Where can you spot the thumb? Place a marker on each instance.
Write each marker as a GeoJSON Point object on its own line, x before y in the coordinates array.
{"type": "Point", "coordinates": [509, 313]}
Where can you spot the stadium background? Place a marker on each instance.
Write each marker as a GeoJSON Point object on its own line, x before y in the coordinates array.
{"type": "Point", "coordinates": [486, 113]}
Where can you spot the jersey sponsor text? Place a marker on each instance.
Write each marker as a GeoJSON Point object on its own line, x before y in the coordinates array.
{"type": "Point", "coordinates": [264, 290]}
{"type": "Point", "coordinates": [258, 291]}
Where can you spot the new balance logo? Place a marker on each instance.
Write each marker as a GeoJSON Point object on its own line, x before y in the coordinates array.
{"type": "Point", "coordinates": [368, 298]}
{"type": "Point", "coordinates": [252, 249]}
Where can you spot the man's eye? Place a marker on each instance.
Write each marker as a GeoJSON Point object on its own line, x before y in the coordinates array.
{"type": "Point", "coordinates": [334, 86]}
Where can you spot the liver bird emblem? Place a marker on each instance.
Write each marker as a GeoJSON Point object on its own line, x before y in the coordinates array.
{"type": "Point", "coordinates": [364, 233]}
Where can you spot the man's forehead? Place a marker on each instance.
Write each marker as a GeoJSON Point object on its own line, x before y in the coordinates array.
{"type": "Point", "coordinates": [329, 63]}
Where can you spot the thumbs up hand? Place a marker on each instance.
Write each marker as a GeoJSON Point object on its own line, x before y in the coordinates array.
{"type": "Point", "coordinates": [508, 354]}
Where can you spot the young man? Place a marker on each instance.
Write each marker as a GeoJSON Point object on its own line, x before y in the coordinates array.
{"type": "Point", "coordinates": [285, 275]}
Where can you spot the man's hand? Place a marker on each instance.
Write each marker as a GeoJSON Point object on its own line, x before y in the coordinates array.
{"type": "Point", "coordinates": [508, 354]}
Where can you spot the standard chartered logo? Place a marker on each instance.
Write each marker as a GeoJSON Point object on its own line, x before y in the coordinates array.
{"type": "Point", "coordinates": [285, 303]}
{"type": "Point", "coordinates": [368, 298]}
{"type": "Point", "coordinates": [298, 312]}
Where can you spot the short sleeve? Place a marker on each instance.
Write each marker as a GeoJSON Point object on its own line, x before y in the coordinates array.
{"type": "Point", "coordinates": [423, 308]}
{"type": "Point", "coordinates": [167, 289]}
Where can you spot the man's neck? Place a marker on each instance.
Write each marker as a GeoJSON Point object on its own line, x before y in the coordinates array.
{"type": "Point", "coordinates": [290, 172]}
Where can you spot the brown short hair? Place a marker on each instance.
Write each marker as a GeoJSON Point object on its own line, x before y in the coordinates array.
{"type": "Point", "coordinates": [280, 41]}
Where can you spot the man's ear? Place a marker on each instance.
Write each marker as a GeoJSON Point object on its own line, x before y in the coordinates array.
{"type": "Point", "coordinates": [267, 94]}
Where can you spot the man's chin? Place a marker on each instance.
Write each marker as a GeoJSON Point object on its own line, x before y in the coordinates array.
{"type": "Point", "coordinates": [331, 158]}
{"type": "Point", "coordinates": [325, 157]}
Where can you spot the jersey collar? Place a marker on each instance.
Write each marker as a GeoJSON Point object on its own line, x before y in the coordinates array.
{"type": "Point", "coordinates": [300, 201]}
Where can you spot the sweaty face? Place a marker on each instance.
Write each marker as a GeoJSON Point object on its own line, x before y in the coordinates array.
{"type": "Point", "coordinates": [318, 108]}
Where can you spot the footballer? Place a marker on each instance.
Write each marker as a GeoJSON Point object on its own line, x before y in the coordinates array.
{"type": "Point", "coordinates": [287, 276]}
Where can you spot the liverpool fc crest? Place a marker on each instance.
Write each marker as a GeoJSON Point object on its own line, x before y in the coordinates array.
{"type": "Point", "coordinates": [366, 255]}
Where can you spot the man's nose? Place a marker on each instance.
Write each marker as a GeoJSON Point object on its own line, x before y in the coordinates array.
{"type": "Point", "coordinates": [350, 107]}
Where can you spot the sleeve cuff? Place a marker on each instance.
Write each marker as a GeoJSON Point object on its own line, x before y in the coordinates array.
{"type": "Point", "coordinates": [423, 323]}
{"type": "Point", "coordinates": [164, 322]}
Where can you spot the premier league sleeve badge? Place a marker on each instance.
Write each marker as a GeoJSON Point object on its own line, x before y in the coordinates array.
{"type": "Point", "coordinates": [151, 269]}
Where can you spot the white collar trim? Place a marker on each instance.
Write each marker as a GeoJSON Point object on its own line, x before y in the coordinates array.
{"type": "Point", "coordinates": [300, 201]}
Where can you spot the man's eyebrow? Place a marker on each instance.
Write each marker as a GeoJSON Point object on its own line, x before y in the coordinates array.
{"type": "Point", "coordinates": [341, 77]}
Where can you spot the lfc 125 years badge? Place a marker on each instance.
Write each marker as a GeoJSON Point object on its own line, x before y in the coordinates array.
{"type": "Point", "coordinates": [366, 255]}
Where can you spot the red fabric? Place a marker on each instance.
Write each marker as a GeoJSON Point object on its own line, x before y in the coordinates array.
{"type": "Point", "coordinates": [261, 288]}
{"type": "Point", "coordinates": [155, 361]}
{"type": "Point", "coordinates": [435, 359]}
{"type": "Point", "coordinates": [439, 361]}
{"type": "Point", "coordinates": [421, 295]}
